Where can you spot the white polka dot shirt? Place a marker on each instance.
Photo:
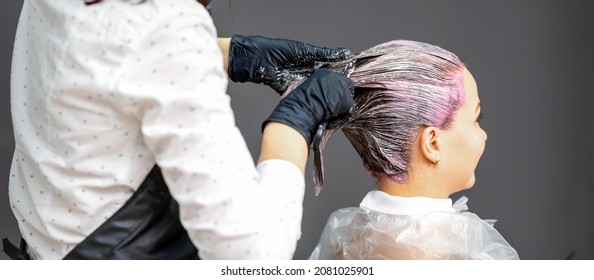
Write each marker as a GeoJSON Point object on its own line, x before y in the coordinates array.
{"type": "Point", "coordinates": [102, 93]}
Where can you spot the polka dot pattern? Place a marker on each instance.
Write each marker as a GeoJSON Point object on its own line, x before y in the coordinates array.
{"type": "Point", "coordinates": [102, 93]}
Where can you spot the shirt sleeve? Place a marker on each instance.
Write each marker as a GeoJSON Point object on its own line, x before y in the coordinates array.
{"type": "Point", "coordinates": [176, 86]}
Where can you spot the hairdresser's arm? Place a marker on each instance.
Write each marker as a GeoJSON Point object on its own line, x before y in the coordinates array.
{"type": "Point", "coordinates": [230, 208]}
{"type": "Point", "coordinates": [224, 46]}
{"type": "Point", "coordinates": [280, 141]}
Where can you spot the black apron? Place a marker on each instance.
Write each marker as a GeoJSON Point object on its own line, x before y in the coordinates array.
{"type": "Point", "coordinates": [146, 227]}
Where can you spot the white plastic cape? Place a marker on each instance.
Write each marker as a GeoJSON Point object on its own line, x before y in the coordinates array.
{"type": "Point", "coordinates": [356, 233]}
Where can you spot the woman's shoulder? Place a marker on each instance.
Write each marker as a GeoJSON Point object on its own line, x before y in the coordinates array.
{"type": "Point", "coordinates": [465, 235]}
{"type": "Point", "coordinates": [439, 234]}
{"type": "Point", "coordinates": [343, 216]}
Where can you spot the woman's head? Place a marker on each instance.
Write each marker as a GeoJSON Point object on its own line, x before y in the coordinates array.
{"type": "Point", "coordinates": [405, 91]}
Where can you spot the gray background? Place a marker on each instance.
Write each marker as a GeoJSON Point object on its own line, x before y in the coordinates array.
{"type": "Point", "coordinates": [533, 62]}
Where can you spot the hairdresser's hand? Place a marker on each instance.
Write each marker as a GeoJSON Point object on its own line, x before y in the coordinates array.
{"type": "Point", "coordinates": [324, 95]}
{"type": "Point", "coordinates": [276, 62]}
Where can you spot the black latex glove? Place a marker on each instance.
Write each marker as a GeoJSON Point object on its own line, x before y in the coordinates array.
{"type": "Point", "coordinates": [276, 62]}
{"type": "Point", "coordinates": [324, 96]}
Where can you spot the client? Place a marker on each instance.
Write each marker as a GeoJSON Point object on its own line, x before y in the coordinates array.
{"type": "Point", "coordinates": [416, 128]}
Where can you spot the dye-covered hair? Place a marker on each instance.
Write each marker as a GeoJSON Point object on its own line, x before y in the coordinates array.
{"type": "Point", "coordinates": [400, 87]}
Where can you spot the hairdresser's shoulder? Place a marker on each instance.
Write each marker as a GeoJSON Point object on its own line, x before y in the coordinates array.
{"type": "Point", "coordinates": [179, 8]}
{"type": "Point", "coordinates": [177, 14]}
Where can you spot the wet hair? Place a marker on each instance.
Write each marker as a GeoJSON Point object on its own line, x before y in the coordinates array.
{"type": "Point", "coordinates": [400, 87]}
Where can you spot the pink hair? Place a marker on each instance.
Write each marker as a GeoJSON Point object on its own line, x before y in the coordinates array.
{"type": "Point", "coordinates": [400, 87]}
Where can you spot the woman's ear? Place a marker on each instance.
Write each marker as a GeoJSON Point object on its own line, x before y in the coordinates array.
{"type": "Point", "coordinates": [430, 144]}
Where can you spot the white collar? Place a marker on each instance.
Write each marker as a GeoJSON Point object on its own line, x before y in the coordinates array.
{"type": "Point", "coordinates": [396, 205]}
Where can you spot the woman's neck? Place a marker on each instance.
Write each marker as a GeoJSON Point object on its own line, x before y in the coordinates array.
{"type": "Point", "coordinates": [414, 187]}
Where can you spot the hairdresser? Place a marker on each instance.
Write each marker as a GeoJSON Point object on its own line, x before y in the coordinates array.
{"type": "Point", "coordinates": [126, 146]}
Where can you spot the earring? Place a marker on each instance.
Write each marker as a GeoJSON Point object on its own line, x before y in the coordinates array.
{"type": "Point", "coordinates": [436, 159]}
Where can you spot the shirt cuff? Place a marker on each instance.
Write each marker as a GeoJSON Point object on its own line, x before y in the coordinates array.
{"type": "Point", "coordinates": [286, 183]}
